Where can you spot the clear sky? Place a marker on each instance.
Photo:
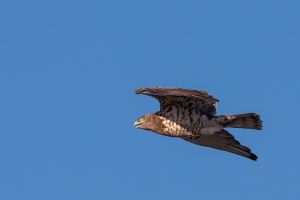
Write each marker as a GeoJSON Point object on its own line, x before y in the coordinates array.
{"type": "Point", "coordinates": [68, 71]}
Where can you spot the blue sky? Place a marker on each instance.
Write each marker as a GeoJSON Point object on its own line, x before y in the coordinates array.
{"type": "Point", "coordinates": [68, 71]}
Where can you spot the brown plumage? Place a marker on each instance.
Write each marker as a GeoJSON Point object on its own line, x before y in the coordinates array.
{"type": "Point", "coordinates": [190, 115]}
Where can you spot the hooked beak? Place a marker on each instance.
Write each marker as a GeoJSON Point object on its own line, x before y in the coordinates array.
{"type": "Point", "coordinates": [137, 124]}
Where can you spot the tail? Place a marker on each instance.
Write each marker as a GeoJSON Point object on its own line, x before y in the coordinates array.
{"type": "Point", "coordinates": [248, 120]}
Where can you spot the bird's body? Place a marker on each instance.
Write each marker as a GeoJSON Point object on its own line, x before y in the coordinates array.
{"type": "Point", "coordinates": [190, 115]}
{"type": "Point", "coordinates": [186, 124]}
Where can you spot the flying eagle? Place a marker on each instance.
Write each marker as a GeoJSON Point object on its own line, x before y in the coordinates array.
{"type": "Point", "coordinates": [191, 115]}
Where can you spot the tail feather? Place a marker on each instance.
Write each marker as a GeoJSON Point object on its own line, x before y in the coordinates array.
{"type": "Point", "coordinates": [248, 120]}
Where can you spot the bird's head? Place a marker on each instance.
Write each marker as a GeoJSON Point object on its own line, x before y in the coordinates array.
{"type": "Point", "coordinates": [150, 122]}
{"type": "Point", "coordinates": [142, 122]}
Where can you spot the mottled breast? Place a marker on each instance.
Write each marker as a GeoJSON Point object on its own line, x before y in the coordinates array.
{"type": "Point", "coordinates": [192, 121]}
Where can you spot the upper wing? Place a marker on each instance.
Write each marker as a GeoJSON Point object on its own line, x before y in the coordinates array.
{"type": "Point", "coordinates": [196, 99]}
{"type": "Point", "coordinates": [224, 141]}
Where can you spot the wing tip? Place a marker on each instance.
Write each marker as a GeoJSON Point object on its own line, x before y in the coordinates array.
{"type": "Point", "coordinates": [138, 91]}
{"type": "Point", "coordinates": [145, 90]}
{"type": "Point", "coordinates": [253, 157]}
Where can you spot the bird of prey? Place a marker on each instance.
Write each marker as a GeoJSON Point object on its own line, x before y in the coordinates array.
{"type": "Point", "coordinates": [191, 115]}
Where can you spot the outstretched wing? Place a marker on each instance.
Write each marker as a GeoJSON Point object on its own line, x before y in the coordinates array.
{"type": "Point", "coordinates": [184, 98]}
{"type": "Point", "coordinates": [224, 141]}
